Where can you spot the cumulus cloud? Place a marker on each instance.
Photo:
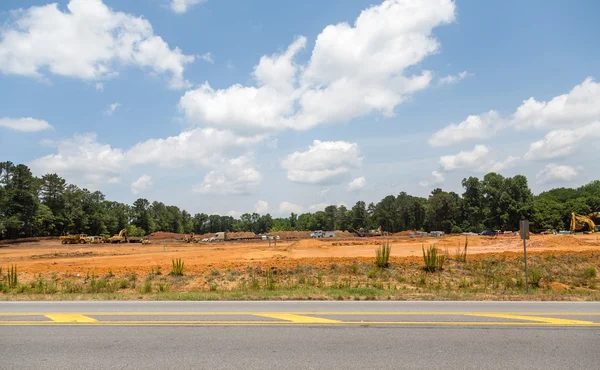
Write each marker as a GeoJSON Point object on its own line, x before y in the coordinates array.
{"type": "Point", "coordinates": [354, 70]}
{"type": "Point", "coordinates": [479, 160]}
{"type": "Point", "coordinates": [182, 6]}
{"type": "Point", "coordinates": [261, 207]}
{"type": "Point", "coordinates": [236, 177]}
{"type": "Point", "coordinates": [325, 162]}
{"type": "Point", "coordinates": [562, 143]}
{"type": "Point", "coordinates": [94, 40]}
{"type": "Point", "coordinates": [578, 108]}
{"type": "Point", "coordinates": [83, 160]}
{"type": "Point", "coordinates": [25, 124]}
{"type": "Point", "coordinates": [552, 173]}
{"type": "Point", "coordinates": [317, 207]}
{"type": "Point", "coordinates": [437, 178]}
{"type": "Point", "coordinates": [357, 184]}
{"type": "Point", "coordinates": [111, 109]}
{"type": "Point", "coordinates": [452, 79]}
{"type": "Point", "coordinates": [207, 57]}
{"type": "Point", "coordinates": [141, 184]}
{"type": "Point", "coordinates": [474, 127]}
{"type": "Point", "coordinates": [286, 208]}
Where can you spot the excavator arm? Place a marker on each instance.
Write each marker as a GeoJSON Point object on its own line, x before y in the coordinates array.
{"type": "Point", "coordinates": [582, 220]}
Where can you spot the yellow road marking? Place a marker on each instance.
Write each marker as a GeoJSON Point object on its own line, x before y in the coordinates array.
{"type": "Point", "coordinates": [70, 317]}
{"type": "Point", "coordinates": [298, 319]}
{"type": "Point", "coordinates": [229, 313]}
{"type": "Point", "coordinates": [289, 323]}
{"type": "Point", "coordinates": [548, 320]}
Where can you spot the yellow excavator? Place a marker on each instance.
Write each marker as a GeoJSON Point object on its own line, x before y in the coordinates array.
{"type": "Point", "coordinates": [119, 238]}
{"type": "Point", "coordinates": [581, 223]}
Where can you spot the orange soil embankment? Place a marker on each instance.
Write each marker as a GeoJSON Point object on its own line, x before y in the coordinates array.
{"type": "Point", "coordinates": [48, 256]}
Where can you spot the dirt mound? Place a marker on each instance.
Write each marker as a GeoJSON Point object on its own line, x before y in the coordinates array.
{"type": "Point", "coordinates": [559, 241]}
{"type": "Point", "coordinates": [293, 234]}
{"type": "Point", "coordinates": [308, 243]}
{"type": "Point", "coordinates": [163, 235]}
{"type": "Point", "coordinates": [344, 234]}
{"type": "Point", "coordinates": [243, 234]}
{"type": "Point", "coordinates": [403, 233]}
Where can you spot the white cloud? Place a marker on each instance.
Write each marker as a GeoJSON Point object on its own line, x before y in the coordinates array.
{"type": "Point", "coordinates": [437, 178]}
{"type": "Point", "coordinates": [286, 208]}
{"type": "Point", "coordinates": [261, 207]}
{"type": "Point", "coordinates": [88, 41]}
{"type": "Point", "coordinates": [83, 161]}
{"type": "Point", "coordinates": [317, 207]}
{"type": "Point", "coordinates": [99, 86]}
{"type": "Point", "coordinates": [556, 173]}
{"type": "Point", "coordinates": [354, 70]}
{"type": "Point", "coordinates": [141, 184]}
{"type": "Point", "coordinates": [234, 214]}
{"type": "Point", "coordinates": [237, 176]}
{"type": "Point", "coordinates": [199, 148]}
{"type": "Point", "coordinates": [182, 6]}
{"type": "Point", "coordinates": [562, 143]}
{"type": "Point", "coordinates": [25, 124]}
{"type": "Point", "coordinates": [478, 160]}
{"type": "Point", "coordinates": [325, 162]}
{"type": "Point", "coordinates": [452, 79]}
{"type": "Point", "coordinates": [357, 184]}
{"type": "Point", "coordinates": [578, 108]}
{"type": "Point", "coordinates": [110, 110]}
{"type": "Point", "coordinates": [474, 127]}
{"type": "Point", "coordinates": [207, 57]}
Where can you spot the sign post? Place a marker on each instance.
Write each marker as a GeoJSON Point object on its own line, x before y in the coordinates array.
{"type": "Point", "coordinates": [524, 232]}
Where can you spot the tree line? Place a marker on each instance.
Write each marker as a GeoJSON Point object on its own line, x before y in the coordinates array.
{"type": "Point", "coordinates": [48, 206]}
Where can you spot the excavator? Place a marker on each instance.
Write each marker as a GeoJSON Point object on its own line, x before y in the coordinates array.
{"type": "Point", "coordinates": [119, 238]}
{"type": "Point", "coordinates": [582, 223]}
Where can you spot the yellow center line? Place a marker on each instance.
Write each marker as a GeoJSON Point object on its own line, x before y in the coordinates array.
{"type": "Point", "coordinates": [548, 320]}
{"type": "Point", "coordinates": [347, 313]}
{"type": "Point", "coordinates": [298, 318]}
{"type": "Point", "coordinates": [70, 317]}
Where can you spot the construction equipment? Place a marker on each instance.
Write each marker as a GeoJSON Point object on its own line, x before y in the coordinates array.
{"type": "Point", "coordinates": [363, 233]}
{"type": "Point", "coordinates": [580, 223]}
{"type": "Point", "coordinates": [192, 239]}
{"type": "Point", "coordinates": [119, 238]}
{"type": "Point", "coordinates": [76, 239]}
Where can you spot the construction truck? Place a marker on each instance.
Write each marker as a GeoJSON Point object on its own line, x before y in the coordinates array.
{"type": "Point", "coordinates": [121, 237]}
{"type": "Point", "coordinates": [192, 239]}
{"type": "Point", "coordinates": [76, 239]}
{"type": "Point", "coordinates": [580, 223]}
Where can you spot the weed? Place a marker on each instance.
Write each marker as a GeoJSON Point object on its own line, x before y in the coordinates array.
{"type": "Point", "coordinates": [163, 287]}
{"type": "Point", "coordinates": [461, 255]}
{"type": "Point", "coordinates": [12, 277]}
{"type": "Point", "coordinates": [589, 273]}
{"type": "Point", "coordinates": [177, 267]}
{"type": "Point", "coordinates": [535, 276]}
{"type": "Point", "coordinates": [382, 255]}
{"type": "Point", "coordinates": [147, 287]}
{"type": "Point", "coordinates": [433, 260]}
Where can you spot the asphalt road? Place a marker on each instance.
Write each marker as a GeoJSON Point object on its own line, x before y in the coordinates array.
{"type": "Point", "coordinates": [299, 335]}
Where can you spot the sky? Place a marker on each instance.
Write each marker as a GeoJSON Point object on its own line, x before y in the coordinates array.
{"type": "Point", "coordinates": [236, 106]}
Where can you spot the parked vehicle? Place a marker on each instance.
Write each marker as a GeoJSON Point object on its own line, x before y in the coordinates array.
{"type": "Point", "coordinates": [489, 233]}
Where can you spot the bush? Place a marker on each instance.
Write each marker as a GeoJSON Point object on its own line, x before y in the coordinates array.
{"type": "Point", "coordinates": [456, 230]}
{"type": "Point", "coordinates": [382, 256]}
{"type": "Point", "coordinates": [147, 287]}
{"type": "Point", "coordinates": [433, 259]}
{"type": "Point", "coordinates": [535, 276]}
{"type": "Point", "coordinates": [177, 267]}
{"type": "Point", "coordinates": [12, 277]}
{"type": "Point", "coordinates": [589, 273]}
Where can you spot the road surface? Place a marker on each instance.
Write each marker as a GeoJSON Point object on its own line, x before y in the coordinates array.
{"type": "Point", "coordinates": [299, 335]}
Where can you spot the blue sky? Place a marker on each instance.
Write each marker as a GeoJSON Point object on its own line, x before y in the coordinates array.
{"type": "Point", "coordinates": [331, 114]}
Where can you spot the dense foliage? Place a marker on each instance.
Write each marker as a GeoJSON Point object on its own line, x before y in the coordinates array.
{"type": "Point", "coordinates": [32, 206]}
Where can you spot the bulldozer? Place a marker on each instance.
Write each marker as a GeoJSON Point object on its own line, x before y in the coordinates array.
{"type": "Point", "coordinates": [192, 239]}
{"type": "Point", "coordinates": [119, 238]}
{"type": "Point", "coordinates": [581, 223]}
{"type": "Point", "coordinates": [76, 239]}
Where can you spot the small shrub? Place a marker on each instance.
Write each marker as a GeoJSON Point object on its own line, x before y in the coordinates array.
{"type": "Point", "coordinates": [433, 259]}
{"type": "Point", "coordinates": [147, 287]}
{"type": "Point", "coordinates": [163, 287]}
{"type": "Point", "coordinates": [535, 276]}
{"type": "Point", "coordinates": [589, 273]}
{"type": "Point", "coordinates": [461, 254]}
{"type": "Point", "coordinates": [382, 256]}
{"type": "Point", "coordinates": [177, 267]}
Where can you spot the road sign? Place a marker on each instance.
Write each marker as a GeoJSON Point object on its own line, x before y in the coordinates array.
{"type": "Point", "coordinates": [524, 229]}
